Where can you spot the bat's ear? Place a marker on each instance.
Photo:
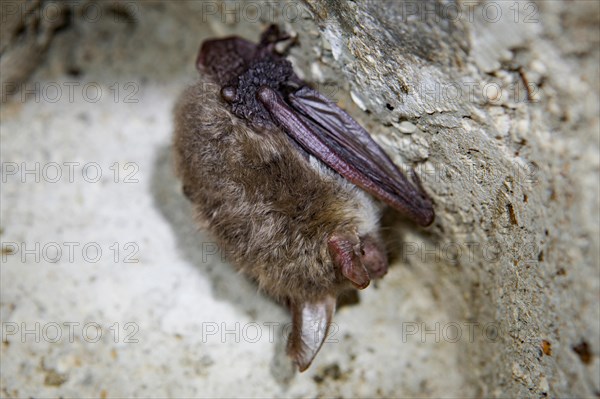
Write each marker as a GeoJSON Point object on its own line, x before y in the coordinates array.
{"type": "Point", "coordinates": [310, 324]}
{"type": "Point", "coordinates": [346, 253]}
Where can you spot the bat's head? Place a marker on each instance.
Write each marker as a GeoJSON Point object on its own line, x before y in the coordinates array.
{"type": "Point", "coordinates": [225, 59]}
{"type": "Point", "coordinates": [241, 68]}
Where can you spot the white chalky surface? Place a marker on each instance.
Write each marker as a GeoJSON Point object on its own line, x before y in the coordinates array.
{"type": "Point", "coordinates": [148, 316]}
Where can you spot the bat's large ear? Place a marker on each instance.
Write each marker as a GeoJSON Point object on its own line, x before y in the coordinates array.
{"type": "Point", "coordinates": [310, 324]}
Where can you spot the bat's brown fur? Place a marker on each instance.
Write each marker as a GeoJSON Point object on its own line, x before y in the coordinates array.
{"type": "Point", "coordinates": [271, 210]}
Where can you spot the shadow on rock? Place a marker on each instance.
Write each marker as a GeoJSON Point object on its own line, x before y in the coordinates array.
{"type": "Point", "coordinates": [201, 250]}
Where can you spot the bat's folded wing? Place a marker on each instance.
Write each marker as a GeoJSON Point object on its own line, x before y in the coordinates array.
{"type": "Point", "coordinates": [341, 143]}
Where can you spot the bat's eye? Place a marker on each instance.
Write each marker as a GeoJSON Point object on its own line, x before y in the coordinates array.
{"type": "Point", "coordinates": [228, 93]}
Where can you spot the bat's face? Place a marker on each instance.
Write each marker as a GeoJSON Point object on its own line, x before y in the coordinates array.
{"type": "Point", "coordinates": [277, 172]}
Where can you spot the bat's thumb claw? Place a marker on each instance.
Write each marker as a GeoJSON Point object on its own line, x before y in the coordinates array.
{"type": "Point", "coordinates": [310, 324]}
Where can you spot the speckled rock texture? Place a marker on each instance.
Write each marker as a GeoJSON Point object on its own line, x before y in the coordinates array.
{"type": "Point", "coordinates": [26, 32]}
{"type": "Point", "coordinates": [109, 289]}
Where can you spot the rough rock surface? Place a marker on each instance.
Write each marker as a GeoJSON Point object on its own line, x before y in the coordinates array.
{"type": "Point", "coordinates": [498, 298]}
{"type": "Point", "coordinates": [514, 170]}
{"type": "Point", "coordinates": [25, 34]}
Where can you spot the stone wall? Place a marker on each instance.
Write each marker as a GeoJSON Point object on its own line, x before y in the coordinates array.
{"type": "Point", "coordinates": [493, 104]}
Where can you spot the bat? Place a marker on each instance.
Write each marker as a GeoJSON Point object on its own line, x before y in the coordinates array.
{"type": "Point", "coordinates": [287, 182]}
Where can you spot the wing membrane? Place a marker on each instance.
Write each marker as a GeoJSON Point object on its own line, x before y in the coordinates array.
{"type": "Point", "coordinates": [345, 137]}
